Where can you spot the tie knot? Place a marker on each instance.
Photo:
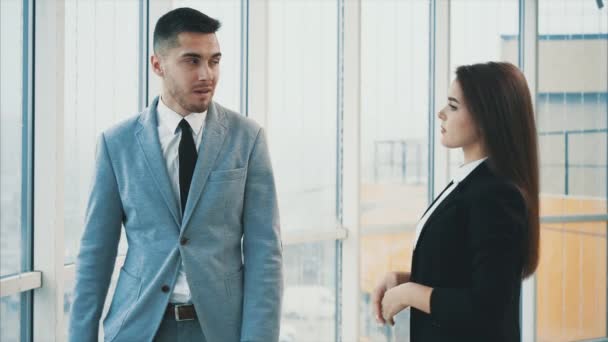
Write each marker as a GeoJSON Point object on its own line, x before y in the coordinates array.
{"type": "Point", "coordinates": [184, 125]}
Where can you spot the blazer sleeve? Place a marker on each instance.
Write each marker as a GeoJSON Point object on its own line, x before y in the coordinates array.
{"type": "Point", "coordinates": [98, 248]}
{"type": "Point", "coordinates": [496, 227]}
{"type": "Point", "coordinates": [262, 249]}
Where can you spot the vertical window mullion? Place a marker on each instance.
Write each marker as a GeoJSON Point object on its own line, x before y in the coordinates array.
{"type": "Point", "coordinates": [528, 59]}
{"type": "Point", "coordinates": [48, 175]}
{"type": "Point", "coordinates": [27, 167]}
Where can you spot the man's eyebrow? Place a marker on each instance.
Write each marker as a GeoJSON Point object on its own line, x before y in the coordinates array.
{"type": "Point", "coordinates": [198, 55]}
{"type": "Point", "coordinates": [190, 54]}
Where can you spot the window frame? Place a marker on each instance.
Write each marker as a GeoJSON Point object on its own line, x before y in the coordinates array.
{"type": "Point", "coordinates": [44, 276]}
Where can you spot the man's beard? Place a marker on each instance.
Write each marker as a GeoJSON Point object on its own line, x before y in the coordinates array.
{"type": "Point", "coordinates": [181, 97]}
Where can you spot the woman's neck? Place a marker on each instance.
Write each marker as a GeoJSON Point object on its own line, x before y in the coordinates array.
{"type": "Point", "coordinates": [473, 152]}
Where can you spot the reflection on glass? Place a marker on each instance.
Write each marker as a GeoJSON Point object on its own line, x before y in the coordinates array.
{"type": "Point", "coordinates": [572, 120]}
{"type": "Point", "coordinates": [394, 146]}
{"type": "Point", "coordinates": [10, 324]}
{"type": "Point", "coordinates": [10, 136]}
{"type": "Point", "coordinates": [309, 301]}
{"type": "Point", "coordinates": [101, 88]}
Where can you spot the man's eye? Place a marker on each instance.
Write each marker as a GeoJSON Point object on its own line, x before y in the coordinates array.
{"type": "Point", "coordinates": [193, 61]}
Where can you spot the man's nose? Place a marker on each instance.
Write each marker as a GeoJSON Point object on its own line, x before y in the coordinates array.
{"type": "Point", "coordinates": [204, 72]}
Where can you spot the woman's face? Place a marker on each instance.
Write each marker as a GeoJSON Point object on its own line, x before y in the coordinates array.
{"type": "Point", "coordinates": [457, 126]}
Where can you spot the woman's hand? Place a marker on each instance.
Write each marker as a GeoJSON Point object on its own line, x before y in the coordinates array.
{"type": "Point", "coordinates": [394, 301]}
{"type": "Point", "coordinates": [390, 280]}
{"type": "Point", "coordinates": [407, 294]}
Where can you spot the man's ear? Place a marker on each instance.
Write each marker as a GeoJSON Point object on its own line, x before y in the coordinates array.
{"type": "Point", "coordinates": [156, 64]}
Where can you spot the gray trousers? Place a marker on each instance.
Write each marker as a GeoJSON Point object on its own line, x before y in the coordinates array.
{"type": "Point", "coordinates": [182, 331]}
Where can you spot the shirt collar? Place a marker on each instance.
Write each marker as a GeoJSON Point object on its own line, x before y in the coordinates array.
{"type": "Point", "coordinates": [464, 170]}
{"type": "Point", "coordinates": [169, 119]}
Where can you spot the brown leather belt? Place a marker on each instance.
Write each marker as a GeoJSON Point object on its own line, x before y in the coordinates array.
{"type": "Point", "coordinates": [180, 312]}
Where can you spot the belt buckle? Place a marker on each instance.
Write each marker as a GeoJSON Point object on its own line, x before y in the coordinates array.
{"type": "Point", "coordinates": [177, 316]}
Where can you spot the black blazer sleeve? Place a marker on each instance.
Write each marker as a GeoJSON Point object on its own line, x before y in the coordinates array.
{"type": "Point", "coordinates": [496, 228]}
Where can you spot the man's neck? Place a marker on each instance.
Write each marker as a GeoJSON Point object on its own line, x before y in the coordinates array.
{"type": "Point", "coordinates": [173, 105]}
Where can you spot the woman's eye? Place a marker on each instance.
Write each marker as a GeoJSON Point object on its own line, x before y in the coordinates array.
{"type": "Point", "coordinates": [453, 107]}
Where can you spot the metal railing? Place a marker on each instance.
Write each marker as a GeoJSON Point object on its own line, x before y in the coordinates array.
{"type": "Point", "coordinates": [397, 151]}
{"type": "Point", "coordinates": [567, 165]}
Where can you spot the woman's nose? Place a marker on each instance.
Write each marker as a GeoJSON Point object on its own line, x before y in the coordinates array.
{"type": "Point", "coordinates": [441, 115]}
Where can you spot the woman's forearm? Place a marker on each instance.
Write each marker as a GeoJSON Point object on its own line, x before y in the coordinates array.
{"type": "Point", "coordinates": [419, 296]}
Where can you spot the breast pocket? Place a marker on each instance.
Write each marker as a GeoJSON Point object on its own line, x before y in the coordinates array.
{"type": "Point", "coordinates": [227, 175]}
{"type": "Point", "coordinates": [222, 199]}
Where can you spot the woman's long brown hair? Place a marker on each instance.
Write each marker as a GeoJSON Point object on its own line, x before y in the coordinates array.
{"type": "Point", "coordinates": [499, 101]}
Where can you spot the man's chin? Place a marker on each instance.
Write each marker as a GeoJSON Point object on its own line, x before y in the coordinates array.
{"type": "Point", "coordinates": [198, 107]}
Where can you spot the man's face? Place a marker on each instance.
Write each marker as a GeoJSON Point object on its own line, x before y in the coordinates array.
{"type": "Point", "coordinates": [190, 72]}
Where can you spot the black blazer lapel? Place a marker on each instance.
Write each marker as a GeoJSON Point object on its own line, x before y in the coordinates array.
{"type": "Point", "coordinates": [453, 196]}
{"type": "Point", "coordinates": [481, 170]}
{"type": "Point", "coordinates": [436, 198]}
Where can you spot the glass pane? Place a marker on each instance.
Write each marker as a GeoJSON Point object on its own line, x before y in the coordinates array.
{"type": "Point", "coordinates": [228, 12]}
{"type": "Point", "coordinates": [10, 324]}
{"type": "Point", "coordinates": [571, 282]}
{"type": "Point", "coordinates": [309, 301]}
{"type": "Point", "coordinates": [481, 31]}
{"type": "Point", "coordinates": [101, 88]}
{"type": "Point", "coordinates": [381, 253]}
{"type": "Point", "coordinates": [394, 145]}
{"type": "Point", "coordinates": [11, 14]}
{"type": "Point", "coordinates": [572, 119]}
{"type": "Point", "coordinates": [301, 118]}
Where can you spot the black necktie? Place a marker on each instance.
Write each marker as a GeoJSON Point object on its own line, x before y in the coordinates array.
{"type": "Point", "coordinates": [187, 160]}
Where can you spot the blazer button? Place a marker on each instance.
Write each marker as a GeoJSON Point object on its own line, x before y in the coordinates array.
{"type": "Point", "coordinates": [165, 288]}
{"type": "Point", "coordinates": [183, 241]}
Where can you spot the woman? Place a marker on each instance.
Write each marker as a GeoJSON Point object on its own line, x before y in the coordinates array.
{"type": "Point", "coordinates": [480, 236]}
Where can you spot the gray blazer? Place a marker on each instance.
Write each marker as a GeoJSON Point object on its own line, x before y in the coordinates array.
{"type": "Point", "coordinates": [232, 256]}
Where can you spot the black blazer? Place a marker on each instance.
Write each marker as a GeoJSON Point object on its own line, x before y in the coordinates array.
{"type": "Point", "coordinates": [470, 252]}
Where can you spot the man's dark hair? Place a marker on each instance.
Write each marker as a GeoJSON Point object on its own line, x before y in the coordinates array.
{"type": "Point", "coordinates": [179, 20]}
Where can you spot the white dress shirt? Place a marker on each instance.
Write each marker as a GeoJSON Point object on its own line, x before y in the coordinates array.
{"type": "Point", "coordinates": [461, 173]}
{"type": "Point", "coordinates": [170, 136]}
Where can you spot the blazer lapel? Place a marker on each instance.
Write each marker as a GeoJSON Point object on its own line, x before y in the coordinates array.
{"type": "Point", "coordinates": [446, 202]}
{"type": "Point", "coordinates": [451, 183]}
{"type": "Point", "coordinates": [481, 170]}
{"type": "Point", "coordinates": [214, 134]}
{"type": "Point", "coordinates": [147, 136]}
{"type": "Point", "coordinates": [437, 212]}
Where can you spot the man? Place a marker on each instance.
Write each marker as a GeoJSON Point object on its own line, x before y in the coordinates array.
{"type": "Point", "coordinates": [192, 184]}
